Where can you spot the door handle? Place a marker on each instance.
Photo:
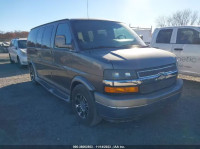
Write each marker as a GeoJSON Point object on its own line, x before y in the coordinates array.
{"type": "Point", "coordinates": [178, 49]}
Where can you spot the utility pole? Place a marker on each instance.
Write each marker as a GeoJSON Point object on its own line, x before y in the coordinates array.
{"type": "Point", "coordinates": [87, 10]}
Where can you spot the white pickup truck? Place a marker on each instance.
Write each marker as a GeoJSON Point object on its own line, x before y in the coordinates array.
{"type": "Point", "coordinates": [184, 42]}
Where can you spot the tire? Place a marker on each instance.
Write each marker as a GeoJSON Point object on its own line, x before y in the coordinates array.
{"type": "Point", "coordinates": [83, 105]}
{"type": "Point", "coordinates": [11, 61]}
{"type": "Point", "coordinates": [32, 74]}
{"type": "Point", "coordinates": [19, 62]}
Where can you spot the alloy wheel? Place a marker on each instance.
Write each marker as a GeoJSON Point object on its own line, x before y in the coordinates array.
{"type": "Point", "coordinates": [81, 106]}
{"type": "Point", "coordinates": [32, 73]}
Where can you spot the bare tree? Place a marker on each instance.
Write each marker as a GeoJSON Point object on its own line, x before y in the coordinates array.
{"type": "Point", "coordinates": [161, 21]}
{"type": "Point", "coordinates": [194, 18]}
{"type": "Point", "coordinates": [179, 18]}
{"type": "Point", "coordinates": [198, 23]}
{"type": "Point", "coordinates": [7, 36]}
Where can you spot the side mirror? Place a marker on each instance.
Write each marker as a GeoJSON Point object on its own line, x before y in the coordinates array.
{"type": "Point", "coordinates": [60, 42]}
{"type": "Point", "coordinates": [141, 37]}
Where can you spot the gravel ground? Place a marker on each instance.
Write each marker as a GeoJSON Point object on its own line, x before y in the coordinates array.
{"type": "Point", "coordinates": [10, 73]}
{"type": "Point", "coordinates": [31, 115]}
{"type": "Point", "coordinates": [190, 78]}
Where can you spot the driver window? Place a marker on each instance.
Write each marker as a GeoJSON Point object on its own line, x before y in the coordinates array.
{"type": "Point", "coordinates": [63, 29]}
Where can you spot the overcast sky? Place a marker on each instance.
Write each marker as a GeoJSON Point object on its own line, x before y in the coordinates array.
{"type": "Point", "coordinates": [26, 14]}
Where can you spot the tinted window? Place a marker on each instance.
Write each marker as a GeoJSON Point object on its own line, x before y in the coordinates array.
{"type": "Point", "coordinates": [164, 36]}
{"type": "Point", "coordinates": [122, 33]}
{"type": "Point", "coordinates": [15, 43]}
{"type": "Point", "coordinates": [92, 34]}
{"type": "Point", "coordinates": [63, 29]}
{"type": "Point", "coordinates": [12, 43]}
{"type": "Point", "coordinates": [32, 38]}
{"type": "Point", "coordinates": [39, 37]}
{"type": "Point", "coordinates": [22, 44]}
{"type": "Point", "coordinates": [46, 39]}
{"type": "Point", "coordinates": [188, 36]}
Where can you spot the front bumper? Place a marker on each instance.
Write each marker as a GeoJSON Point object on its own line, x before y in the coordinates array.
{"type": "Point", "coordinates": [129, 106]}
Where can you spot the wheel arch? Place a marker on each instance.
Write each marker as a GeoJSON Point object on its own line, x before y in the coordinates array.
{"type": "Point", "coordinates": [30, 63]}
{"type": "Point", "coordinates": [81, 80]}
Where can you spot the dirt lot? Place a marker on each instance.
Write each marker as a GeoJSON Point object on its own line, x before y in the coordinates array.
{"type": "Point", "coordinates": [31, 115]}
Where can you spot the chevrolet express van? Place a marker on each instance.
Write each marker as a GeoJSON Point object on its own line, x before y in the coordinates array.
{"type": "Point", "coordinates": [102, 68]}
{"type": "Point", "coordinates": [184, 42]}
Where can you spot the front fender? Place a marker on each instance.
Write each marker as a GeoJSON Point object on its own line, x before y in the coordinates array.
{"type": "Point", "coordinates": [83, 81]}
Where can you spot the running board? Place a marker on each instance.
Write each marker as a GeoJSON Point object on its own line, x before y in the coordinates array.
{"type": "Point", "coordinates": [54, 91]}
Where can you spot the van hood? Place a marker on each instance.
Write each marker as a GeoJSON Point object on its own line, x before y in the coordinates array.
{"type": "Point", "coordinates": [135, 58]}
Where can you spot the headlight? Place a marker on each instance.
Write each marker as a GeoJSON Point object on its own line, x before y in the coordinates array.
{"type": "Point", "coordinates": [23, 51]}
{"type": "Point", "coordinates": [120, 74]}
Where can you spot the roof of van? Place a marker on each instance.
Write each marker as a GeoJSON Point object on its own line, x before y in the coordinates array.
{"type": "Point", "coordinates": [186, 26]}
{"type": "Point", "coordinates": [76, 19]}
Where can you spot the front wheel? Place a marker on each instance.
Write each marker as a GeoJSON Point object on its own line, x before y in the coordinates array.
{"type": "Point", "coordinates": [19, 62]}
{"type": "Point", "coordinates": [84, 107]}
{"type": "Point", "coordinates": [32, 74]}
{"type": "Point", "coordinates": [11, 61]}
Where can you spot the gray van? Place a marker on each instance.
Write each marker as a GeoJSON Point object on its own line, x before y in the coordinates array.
{"type": "Point", "coordinates": [102, 68]}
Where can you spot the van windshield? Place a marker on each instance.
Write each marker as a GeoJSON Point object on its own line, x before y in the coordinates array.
{"type": "Point", "coordinates": [93, 34]}
{"type": "Point", "coordinates": [22, 44]}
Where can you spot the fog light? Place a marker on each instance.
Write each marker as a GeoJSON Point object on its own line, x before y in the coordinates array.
{"type": "Point", "coordinates": [121, 89]}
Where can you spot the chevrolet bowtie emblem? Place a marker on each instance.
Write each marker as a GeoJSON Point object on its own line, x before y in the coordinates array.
{"type": "Point", "coordinates": [161, 76]}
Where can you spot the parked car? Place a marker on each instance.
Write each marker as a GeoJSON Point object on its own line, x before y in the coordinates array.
{"type": "Point", "coordinates": [103, 68]}
{"type": "Point", "coordinates": [184, 41]}
{"type": "Point", "coordinates": [18, 52]}
{"type": "Point", "coordinates": [4, 47]}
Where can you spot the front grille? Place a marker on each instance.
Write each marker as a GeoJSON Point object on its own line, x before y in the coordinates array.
{"type": "Point", "coordinates": [155, 86]}
{"type": "Point", "coordinates": [153, 79]}
{"type": "Point", "coordinates": [155, 71]}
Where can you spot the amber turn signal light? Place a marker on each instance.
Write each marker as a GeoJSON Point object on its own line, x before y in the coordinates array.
{"type": "Point", "coordinates": [121, 89]}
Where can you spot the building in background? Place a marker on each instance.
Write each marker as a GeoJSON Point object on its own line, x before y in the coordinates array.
{"type": "Point", "coordinates": [144, 33]}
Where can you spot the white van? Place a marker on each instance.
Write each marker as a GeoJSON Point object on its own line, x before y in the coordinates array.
{"type": "Point", "coordinates": [17, 51]}
{"type": "Point", "coordinates": [184, 42]}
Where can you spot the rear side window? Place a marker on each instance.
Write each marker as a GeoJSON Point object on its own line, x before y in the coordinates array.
{"type": "Point", "coordinates": [63, 29]}
{"type": "Point", "coordinates": [39, 37]}
{"type": "Point", "coordinates": [188, 36]}
{"type": "Point", "coordinates": [164, 36]}
{"type": "Point", "coordinates": [32, 38]}
{"type": "Point", "coordinates": [46, 39]}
